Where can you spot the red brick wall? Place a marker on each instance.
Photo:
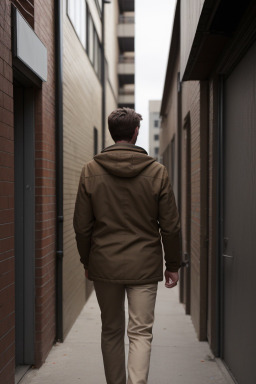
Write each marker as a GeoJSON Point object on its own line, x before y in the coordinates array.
{"type": "Point", "coordinates": [7, 288]}
{"type": "Point", "coordinates": [192, 100]}
{"type": "Point", "coordinates": [42, 17]}
{"type": "Point", "coordinates": [45, 189]}
{"type": "Point", "coordinates": [191, 103]}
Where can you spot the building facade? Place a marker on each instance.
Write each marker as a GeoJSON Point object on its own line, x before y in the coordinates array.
{"type": "Point", "coordinates": [209, 106]}
{"type": "Point", "coordinates": [154, 128]}
{"type": "Point", "coordinates": [126, 53]}
{"type": "Point", "coordinates": [64, 66]}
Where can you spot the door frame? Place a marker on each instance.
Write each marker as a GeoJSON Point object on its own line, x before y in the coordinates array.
{"type": "Point", "coordinates": [187, 253]}
{"type": "Point", "coordinates": [24, 224]}
{"type": "Point", "coordinates": [220, 220]}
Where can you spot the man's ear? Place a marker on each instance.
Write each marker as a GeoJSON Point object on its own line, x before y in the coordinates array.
{"type": "Point", "coordinates": [134, 138]}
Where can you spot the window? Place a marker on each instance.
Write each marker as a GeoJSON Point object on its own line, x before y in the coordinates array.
{"type": "Point", "coordinates": [95, 141]}
{"type": "Point", "coordinates": [97, 55]}
{"type": "Point", "coordinates": [100, 57]}
{"type": "Point", "coordinates": [156, 123]}
{"type": "Point", "coordinates": [81, 19]}
{"type": "Point", "coordinates": [94, 46]}
{"type": "Point", "coordinates": [77, 15]}
{"type": "Point", "coordinates": [96, 52]}
{"type": "Point", "coordinates": [82, 26]}
{"type": "Point", "coordinates": [156, 137]}
{"type": "Point", "coordinates": [156, 151]}
{"type": "Point", "coordinates": [90, 38]}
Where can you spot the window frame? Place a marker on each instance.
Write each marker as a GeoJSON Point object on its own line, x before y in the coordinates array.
{"type": "Point", "coordinates": [90, 30]}
{"type": "Point", "coordinates": [99, 5]}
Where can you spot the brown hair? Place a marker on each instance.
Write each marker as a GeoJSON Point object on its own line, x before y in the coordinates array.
{"type": "Point", "coordinates": [122, 123]}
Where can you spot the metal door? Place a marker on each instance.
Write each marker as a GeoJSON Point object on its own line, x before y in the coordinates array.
{"type": "Point", "coordinates": [239, 226]}
{"type": "Point", "coordinates": [24, 225]}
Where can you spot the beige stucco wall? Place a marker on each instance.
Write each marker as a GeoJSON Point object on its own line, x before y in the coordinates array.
{"type": "Point", "coordinates": [81, 113]}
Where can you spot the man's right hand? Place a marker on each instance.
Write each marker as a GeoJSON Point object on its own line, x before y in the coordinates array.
{"type": "Point", "coordinates": [171, 279]}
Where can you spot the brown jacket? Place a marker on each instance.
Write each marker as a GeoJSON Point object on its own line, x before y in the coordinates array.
{"type": "Point", "coordinates": [124, 198]}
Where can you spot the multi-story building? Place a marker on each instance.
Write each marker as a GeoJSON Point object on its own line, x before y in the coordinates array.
{"type": "Point", "coordinates": [208, 109]}
{"type": "Point", "coordinates": [64, 66]}
{"type": "Point", "coordinates": [126, 59]}
{"type": "Point", "coordinates": [154, 128]}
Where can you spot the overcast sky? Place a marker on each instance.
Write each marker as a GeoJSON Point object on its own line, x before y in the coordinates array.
{"type": "Point", "coordinates": [153, 28]}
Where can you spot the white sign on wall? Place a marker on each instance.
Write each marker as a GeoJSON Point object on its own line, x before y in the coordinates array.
{"type": "Point", "coordinates": [28, 47]}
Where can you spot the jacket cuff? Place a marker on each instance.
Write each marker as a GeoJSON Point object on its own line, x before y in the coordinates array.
{"type": "Point", "coordinates": [172, 250]}
{"type": "Point", "coordinates": [172, 269]}
{"type": "Point", "coordinates": [83, 246]}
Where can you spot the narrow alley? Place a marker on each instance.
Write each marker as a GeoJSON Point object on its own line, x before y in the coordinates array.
{"type": "Point", "coordinates": [183, 74]}
{"type": "Point", "coordinates": [177, 355]}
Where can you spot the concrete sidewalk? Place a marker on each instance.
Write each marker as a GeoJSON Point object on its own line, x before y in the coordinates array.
{"type": "Point", "coordinates": [177, 356]}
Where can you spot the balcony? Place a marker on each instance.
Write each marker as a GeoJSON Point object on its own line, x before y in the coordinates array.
{"type": "Point", "coordinates": [126, 70]}
{"type": "Point", "coordinates": [126, 97]}
{"type": "Point", "coordinates": [126, 5]}
{"type": "Point", "coordinates": [126, 33]}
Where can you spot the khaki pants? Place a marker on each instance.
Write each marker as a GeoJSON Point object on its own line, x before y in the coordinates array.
{"type": "Point", "coordinates": [141, 305]}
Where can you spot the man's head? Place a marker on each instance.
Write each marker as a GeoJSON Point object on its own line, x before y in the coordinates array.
{"type": "Point", "coordinates": [123, 124]}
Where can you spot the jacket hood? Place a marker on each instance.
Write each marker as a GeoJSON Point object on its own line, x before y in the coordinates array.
{"type": "Point", "coordinates": [124, 160]}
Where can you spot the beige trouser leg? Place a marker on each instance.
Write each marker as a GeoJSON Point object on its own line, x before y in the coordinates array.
{"type": "Point", "coordinates": [141, 305]}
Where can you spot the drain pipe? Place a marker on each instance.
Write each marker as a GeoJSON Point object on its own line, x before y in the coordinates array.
{"type": "Point", "coordinates": [103, 72]}
{"type": "Point", "coordinates": [103, 100]}
{"type": "Point", "coordinates": [59, 169]}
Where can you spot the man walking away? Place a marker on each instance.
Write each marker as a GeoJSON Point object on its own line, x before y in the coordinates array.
{"type": "Point", "coordinates": [125, 206]}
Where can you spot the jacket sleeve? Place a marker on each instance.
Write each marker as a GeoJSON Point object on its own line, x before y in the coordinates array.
{"type": "Point", "coordinates": [169, 225]}
{"type": "Point", "coordinates": [83, 221]}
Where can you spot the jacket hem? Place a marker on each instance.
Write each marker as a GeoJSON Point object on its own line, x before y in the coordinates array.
{"type": "Point", "coordinates": [130, 282]}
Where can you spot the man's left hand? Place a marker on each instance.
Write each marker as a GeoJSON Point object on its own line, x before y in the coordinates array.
{"type": "Point", "coordinates": [171, 279]}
